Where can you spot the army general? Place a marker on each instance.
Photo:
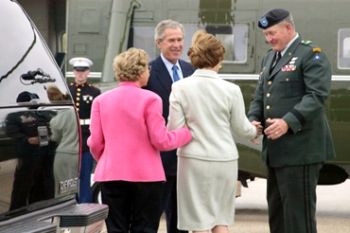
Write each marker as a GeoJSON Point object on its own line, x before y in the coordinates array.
{"type": "Point", "coordinates": [289, 102]}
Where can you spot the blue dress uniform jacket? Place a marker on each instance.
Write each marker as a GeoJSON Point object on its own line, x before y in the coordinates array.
{"type": "Point", "coordinates": [160, 82]}
{"type": "Point", "coordinates": [83, 95]}
{"type": "Point", "coordinates": [296, 90]}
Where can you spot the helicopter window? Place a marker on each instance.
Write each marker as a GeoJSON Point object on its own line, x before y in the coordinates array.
{"type": "Point", "coordinates": [236, 44]}
{"type": "Point", "coordinates": [234, 38]}
{"type": "Point", "coordinates": [344, 48]}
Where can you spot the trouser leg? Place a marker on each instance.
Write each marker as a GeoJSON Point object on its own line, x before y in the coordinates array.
{"type": "Point", "coordinates": [147, 206]}
{"type": "Point", "coordinates": [85, 195]}
{"type": "Point", "coordinates": [118, 196]}
{"type": "Point", "coordinates": [275, 210]}
{"type": "Point", "coordinates": [295, 192]}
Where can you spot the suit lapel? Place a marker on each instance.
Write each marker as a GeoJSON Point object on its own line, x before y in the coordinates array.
{"type": "Point", "coordinates": [162, 74]}
{"type": "Point", "coordinates": [270, 60]}
{"type": "Point", "coordinates": [185, 71]}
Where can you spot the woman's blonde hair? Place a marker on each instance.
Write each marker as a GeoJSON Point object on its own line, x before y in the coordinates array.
{"type": "Point", "coordinates": [55, 94]}
{"type": "Point", "coordinates": [206, 50]}
{"type": "Point", "coordinates": [129, 65]}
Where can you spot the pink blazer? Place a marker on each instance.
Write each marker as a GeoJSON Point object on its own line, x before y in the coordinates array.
{"type": "Point", "coordinates": [127, 133]}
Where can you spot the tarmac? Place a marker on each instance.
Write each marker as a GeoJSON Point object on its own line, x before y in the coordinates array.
{"type": "Point", "coordinates": [333, 209]}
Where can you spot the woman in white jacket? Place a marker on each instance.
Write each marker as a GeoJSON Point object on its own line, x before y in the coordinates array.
{"type": "Point", "coordinates": [214, 111]}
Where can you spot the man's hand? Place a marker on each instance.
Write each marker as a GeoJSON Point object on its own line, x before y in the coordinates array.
{"type": "Point", "coordinates": [277, 127]}
{"type": "Point", "coordinates": [259, 128]}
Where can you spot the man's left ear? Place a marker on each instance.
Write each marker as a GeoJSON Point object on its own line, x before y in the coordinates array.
{"type": "Point", "coordinates": [158, 41]}
{"type": "Point", "coordinates": [289, 27]}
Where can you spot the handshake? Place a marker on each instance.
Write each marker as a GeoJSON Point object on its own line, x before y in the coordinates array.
{"type": "Point", "coordinates": [259, 131]}
{"type": "Point", "coordinates": [276, 128]}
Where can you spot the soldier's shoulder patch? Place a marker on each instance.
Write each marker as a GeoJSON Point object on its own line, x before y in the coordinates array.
{"type": "Point", "coordinates": [316, 50]}
{"type": "Point", "coordinates": [317, 53]}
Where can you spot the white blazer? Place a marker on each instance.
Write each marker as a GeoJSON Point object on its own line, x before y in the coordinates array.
{"type": "Point", "coordinates": [214, 111]}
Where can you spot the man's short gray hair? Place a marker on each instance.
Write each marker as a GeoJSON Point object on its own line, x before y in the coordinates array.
{"type": "Point", "coordinates": [165, 24]}
{"type": "Point", "coordinates": [289, 19]}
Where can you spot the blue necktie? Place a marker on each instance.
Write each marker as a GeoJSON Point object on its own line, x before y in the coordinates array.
{"type": "Point", "coordinates": [175, 74]}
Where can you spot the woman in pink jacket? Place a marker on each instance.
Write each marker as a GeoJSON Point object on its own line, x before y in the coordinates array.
{"type": "Point", "coordinates": [127, 133]}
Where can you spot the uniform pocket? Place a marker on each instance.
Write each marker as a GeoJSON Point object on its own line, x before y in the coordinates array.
{"type": "Point", "coordinates": [293, 86]}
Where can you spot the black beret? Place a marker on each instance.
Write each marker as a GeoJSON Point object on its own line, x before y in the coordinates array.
{"type": "Point", "coordinates": [272, 17]}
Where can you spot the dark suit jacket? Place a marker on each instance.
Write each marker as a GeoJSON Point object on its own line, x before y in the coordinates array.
{"type": "Point", "coordinates": [160, 82]}
{"type": "Point", "coordinates": [295, 90]}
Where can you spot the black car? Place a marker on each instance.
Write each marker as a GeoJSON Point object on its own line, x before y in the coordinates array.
{"type": "Point", "coordinates": [39, 136]}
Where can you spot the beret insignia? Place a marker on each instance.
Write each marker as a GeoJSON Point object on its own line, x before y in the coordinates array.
{"type": "Point", "coordinates": [263, 22]}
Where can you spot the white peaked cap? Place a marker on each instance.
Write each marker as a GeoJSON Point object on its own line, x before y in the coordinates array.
{"type": "Point", "coordinates": [80, 62]}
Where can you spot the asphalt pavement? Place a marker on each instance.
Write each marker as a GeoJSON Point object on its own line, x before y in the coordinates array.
{"type": "Point", "coordinates": [333, 209]}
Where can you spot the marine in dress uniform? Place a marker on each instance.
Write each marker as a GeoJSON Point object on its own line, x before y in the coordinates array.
{"type": "Point", "coordinates": [289, 102]}
{"type": "Point", "coordinates": [83, 94]}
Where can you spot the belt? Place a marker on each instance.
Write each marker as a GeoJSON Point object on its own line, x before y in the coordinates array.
{"type": "Point", "coordinates": [84, 121]}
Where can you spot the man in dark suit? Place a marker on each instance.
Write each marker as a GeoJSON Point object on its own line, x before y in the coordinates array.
{"type": "Point", "coordinates": [289, 102]}
{"type": "Point", "coordinates": [166, 69]}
